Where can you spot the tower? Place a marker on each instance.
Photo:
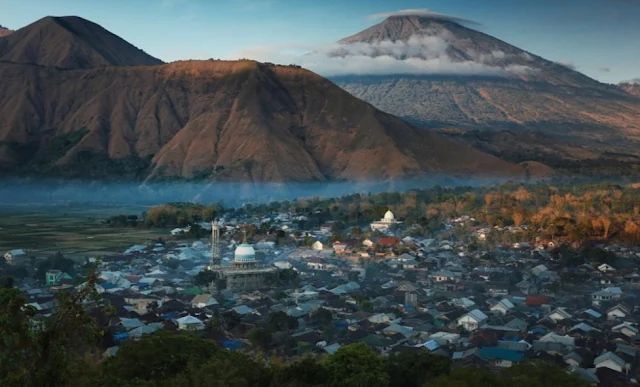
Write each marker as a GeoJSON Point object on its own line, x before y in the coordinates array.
{"type": "Point", "coordinates": [215, 246]}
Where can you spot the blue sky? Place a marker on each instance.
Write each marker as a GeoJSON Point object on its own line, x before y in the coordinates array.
{"type": "Point", "coordinates": [600, 37]}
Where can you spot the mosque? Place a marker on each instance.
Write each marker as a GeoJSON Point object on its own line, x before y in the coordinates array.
{"type": "Point", "coordinates": [245, 273]}
{"type": "Point", "coordinates": [384, 224]}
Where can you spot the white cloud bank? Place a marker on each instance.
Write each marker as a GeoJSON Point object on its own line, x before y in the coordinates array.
{"type": "Point", "coordinates": [424, 13]}
{"type": "Point", "coordinates": [420, 55]}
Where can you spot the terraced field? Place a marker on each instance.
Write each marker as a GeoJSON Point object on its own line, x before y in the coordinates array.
{"type": "Point", "coordinates": [72, 230]}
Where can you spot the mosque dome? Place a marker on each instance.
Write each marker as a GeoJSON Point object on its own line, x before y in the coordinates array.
{"type": "Point", "coordinates": [389, 217]}
{"type": "Point", "coordinates": [244, 253]}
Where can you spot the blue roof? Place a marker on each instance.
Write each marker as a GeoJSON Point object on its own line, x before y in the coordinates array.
{"type": "Point", "coordinates": [539, 330]}
{"type": "Point", "coordinates": [121, 336]}
{"type": "Point", "coordinates": [232, 344]}
{"type": "Point", "coordinates": [170, 316]}
{"type": "Point", "coordinates": [501, 353]}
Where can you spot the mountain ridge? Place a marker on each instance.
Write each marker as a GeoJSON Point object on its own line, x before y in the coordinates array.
{"type": "Point", "coordinates": [548, 98]}
{"type": "Point", "coordinates": [70, 42]}
{"type": "Point", "coordinates": [217, 120]}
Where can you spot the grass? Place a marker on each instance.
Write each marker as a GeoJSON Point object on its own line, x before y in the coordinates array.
{"type": "Point", "coordinates": [76, 231]}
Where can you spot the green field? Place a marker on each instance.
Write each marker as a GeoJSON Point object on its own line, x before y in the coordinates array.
{"type": "Point", "coordinates": [73, 230]}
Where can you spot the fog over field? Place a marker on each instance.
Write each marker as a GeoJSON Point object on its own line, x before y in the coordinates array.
{"type": "Point", "coordinates": [56, 191]}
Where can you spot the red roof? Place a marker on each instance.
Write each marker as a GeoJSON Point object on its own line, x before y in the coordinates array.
{"type": "Point", "coordinates": [388, 241]}
{"type": "Point", "coordinates": [536, 300]}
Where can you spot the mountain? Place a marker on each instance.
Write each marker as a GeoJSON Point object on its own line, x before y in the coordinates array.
{"type": "Point", "coordinates": [4, 31]}
{"type": "Point", "coordinates": [212, 120]}
{"type": "Point", "coordinates": [632, 88]}
{"type": "Point", "coordinates": [491, 86]}
{"type": "Point", "coordinates": [70, 43]}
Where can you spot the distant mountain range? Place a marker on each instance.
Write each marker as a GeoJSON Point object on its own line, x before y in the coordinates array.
{"type": "Point", "coordinates": [631, 87]}
{"type": "Point", "coordinates": [78, 101]}
{"type": "Point", "coordinates": [510, 102]}
{"type": "Point", "coordinates": [4, 31]}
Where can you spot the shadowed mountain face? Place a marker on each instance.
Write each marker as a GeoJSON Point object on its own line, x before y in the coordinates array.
{"type": "Point", "coordinates": [4, 31]}
{"type": "Point", "coordinates": [77, 106]}
{"type": "Point", "coordinates": [70, 43]}
{"type": "Point", "coordinates": [532, 95]}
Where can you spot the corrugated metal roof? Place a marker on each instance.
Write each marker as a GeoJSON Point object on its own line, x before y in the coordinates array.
{"type": "Point", "coordinates": [498, 353]}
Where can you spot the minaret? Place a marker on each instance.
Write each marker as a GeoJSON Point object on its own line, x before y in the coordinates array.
{"type": "Point", "coordinates": [215, 246]}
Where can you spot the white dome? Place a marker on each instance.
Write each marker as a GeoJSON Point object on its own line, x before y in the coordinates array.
{"type": "Point", "coordinates": [244, 252]}
{"type": "Point", "coordinates": [389, 217]}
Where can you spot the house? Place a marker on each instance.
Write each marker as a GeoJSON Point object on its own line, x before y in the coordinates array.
{"type": "Point", "coordinates": [609, 360]}
{"type": "Point", "coordinates": [503, 307]}
{"type": "Point", "coordinates": [368, 243]}
{"type": "Point", "coordinates": [566, 341]}
{"type": "Point", "coordinates": [527, 287]}
{"type": "Point", "coordinates": [626, 329]}
{"type": "Point", "coordinates": [317, 246]}
{"type": "Point", "coordinates": [606, 268]}
{"type": "Point", "coordinates": [573, 359]}
{"type": "Point", "coordinates": [13, 256]}
{"type": "Point", "coordinates": [497, 289]}
{"type": "Point", "coordinates": [339, 247]}
{"type": "Point", "coordinates": [501, 357]}
{"type": "Point", "coordinates": [177, 231]}
{"type": "Point", "coordinates": [443, 276]}
{"type": "Point", "coordinates": [472, 320]}
{"type": "Point", "coordinates": [617, 312]}
{"type": "Point", "coordinates": [325, 228]}
{"type": "Point", "coordinates": [389, 242]}
{"type": "Point", "coordinates": [558, 314]}
{"type": "Point", "coordinates": [190, 323]}
{"type": "Point", "coordinates": [536, 271]}
{"type": "Point", "coordinates": [203, 301]}
{"type": "Point", "coordinates": [54, 277]}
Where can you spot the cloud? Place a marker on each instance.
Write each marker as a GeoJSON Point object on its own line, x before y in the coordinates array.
{"type": "Point", "coordinates": [425, 13]}
{"type": "Point", "coordinates": [605, 70]}
{"type": "Point", "coordinates": [420, 55]}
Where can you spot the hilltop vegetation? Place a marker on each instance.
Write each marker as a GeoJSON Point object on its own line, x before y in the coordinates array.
{"type": "Point", "coordinates": [578, 213]}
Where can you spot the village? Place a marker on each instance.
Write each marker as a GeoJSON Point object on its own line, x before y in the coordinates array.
{"type": "Point", "coordinates": [379, 284]}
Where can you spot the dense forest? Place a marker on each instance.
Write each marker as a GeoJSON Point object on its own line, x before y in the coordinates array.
{"type": "Point", "coordinates": [65, 351]}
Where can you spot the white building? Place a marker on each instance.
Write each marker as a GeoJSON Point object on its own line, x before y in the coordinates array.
{"type": "Point", "coordinates": [385, 223]}
{"type": "Point", "coordinates": [605, 268]}
{"type": "Point", "coordinates": [190, 323]}
{"type": "Point", "coordinates": [317, 245]}
{"type": "Point", "coordinates": [503, 307]}
{"type": "Point", "coordinates": [610, 360]}
{"type": "Point", "coordinates": [472, 320]}
{"type": "Point", "coordinates": [13, 255]}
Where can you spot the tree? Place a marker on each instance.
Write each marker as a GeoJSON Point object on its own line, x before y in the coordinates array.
{"type": "Point", "coordinates": [353, 276]}
{"type": "Point", "coordinates": [356, 365]}
{"type": "Point", "coordinates": [57, 262]}
{"type": "Point", "coordinates": [415, 368]}
{"type": "Point", "coordinates": [322, 316]}
{"type": "Point", "coordinates": [280, 321]}
{"type": "Point", "coordinates": [467, 377]}
{"type": "Point", "coordinates": [206, 277]}
{"type": "Point", "coordinates": [539, 374]}
{"type": "Point", "coordinates": [159, 356]}
{"type": "Point", "coordinates": [305, 372]}
{"type": "Point", "coordinates": [51, 354]}
{"type": "Point", "coordinates": [260, 338]}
